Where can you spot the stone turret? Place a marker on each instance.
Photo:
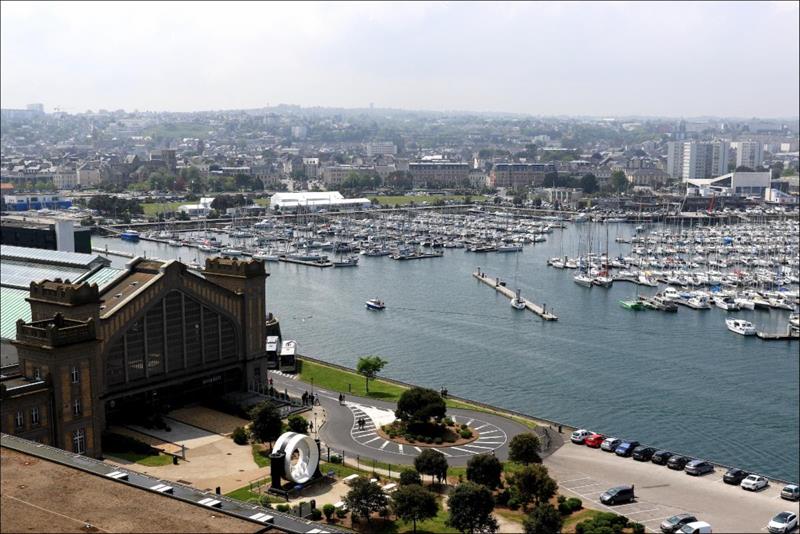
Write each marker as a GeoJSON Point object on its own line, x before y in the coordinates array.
{"type": "Point", "coordinates": [72, 301]}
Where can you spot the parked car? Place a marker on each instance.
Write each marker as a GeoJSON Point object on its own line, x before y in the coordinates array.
{"type": "Point", "coordinates": [698, 467]}
{"type": "Point", "coordinates": [698, 527]}
{"type": "Point", "coordinates": [678, 462]}
{"type": "Point", "coordinates": [594, 441]}
{"type": "Point", "coordinates": [625, 448]}
{"type": "Point", "coordinates": [610, 444]}
{"type": "Point", "coordinates": [674, 523]}
{"type": "Point", "coordinates": [783, 523]}
{"type": "Point", "coordinates": [617, 495]}
{"type": "Point", "coordinates": [734, 476]}
{"type": "Point", "coordinates": [754, 482]}
{"type": "Point", "coordinates": [661, 457]}
{"type": "Point", "coordinates": [643, 454]}
{"type": "Point", "coordinates": [791, 492]}
{"type": "Point", "coordinates": [579, 436]}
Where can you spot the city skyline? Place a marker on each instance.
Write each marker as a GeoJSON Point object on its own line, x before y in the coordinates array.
{"type": "Point", "coordinates": [605, 59]}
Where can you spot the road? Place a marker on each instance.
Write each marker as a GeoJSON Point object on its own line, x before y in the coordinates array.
{"type": "Point", "coordinates": [662, 492]}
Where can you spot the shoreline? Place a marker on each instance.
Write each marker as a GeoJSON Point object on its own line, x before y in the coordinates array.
{"type": "Point", "coordinates": [511, 414]}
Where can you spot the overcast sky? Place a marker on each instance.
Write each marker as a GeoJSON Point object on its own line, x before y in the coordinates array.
{"type": "Point", "coordinates": [736, 59]}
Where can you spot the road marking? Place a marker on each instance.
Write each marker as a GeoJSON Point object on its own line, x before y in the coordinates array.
{"type": "Point", "coordinates": [479, 447]}
{"type": "Point", "coordinates": [482, 426]}
{"type": "Point", "coordinates": [489, 442]}
{"type": "Point", "coordinates": [470, 422]}
{"type": "Point", "coordinates": [575, 479]}
{"type": "Point", "coordinates": [463, 450]}
{"type": "Point", "coordinates": [385, 443]}
{"type": "Point", "coordinates": [364, 432]}
{"type": "Point", "coordinates": [642, 511]}
{"type": "Point", "coordinates": [453, 418]}
{"type": "Point", "coordinates": [401, 448]}
{"type": "Point", "coordinates": [446, 453]}
{"type": "Point", "coordinates": [586, 486]}
{"type": "Point", "coordinates": [418, 449]}
{"type": "Point", "coordinates": [489, 432]}
{"type": "Point", "coordinates": [373, 439]}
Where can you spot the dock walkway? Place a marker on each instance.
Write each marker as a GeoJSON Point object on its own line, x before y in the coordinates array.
{"type": "Point", "coordinates": [496, 283]}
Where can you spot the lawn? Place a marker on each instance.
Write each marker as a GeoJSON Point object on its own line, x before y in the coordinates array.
{"type": "Point", "coordinates": [402, 200]}
{"type": "Point", "coordinates": [150, 460]}
{"type": "Point", "coordinates": [154, 208]}
{"type": "Point", "coordinates": [433, 526]}
{"type": "Point", "coordinates": [244, 494]}
{"type": "Point", "coordinates": [262, 201]}
{"type": "Point", "coordinates": [260, 456]}
{"type": "Point", "coordinates": [581, 515]}
{"type": "Point", "coordinates": [347, 381]}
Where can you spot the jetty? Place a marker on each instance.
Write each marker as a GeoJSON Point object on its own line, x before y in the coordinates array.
{"type": "Point", "coordinates": [500, 287]}
{"type": "Point", "coordinates": [788, 335]}
{"type": "Point", "coordinates": [109, 252]}
{"type": "Point", "coordinates": [309, 263]}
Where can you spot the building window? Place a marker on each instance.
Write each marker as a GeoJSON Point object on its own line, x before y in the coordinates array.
{"type": "Point", "coordinates": [76, 374]}
{"type": "Point", "coordinates": [35, 416]}
{"type": "Point", "coordinates": [79, 441]}
{"type": "Point", "coordinates": [37, 373]}
{"type": "Point", "coordinates": [76, 407]}
{"type": "Point", "coordinates": [19, 419]}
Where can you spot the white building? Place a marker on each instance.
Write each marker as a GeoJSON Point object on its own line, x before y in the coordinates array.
{"type": "Point", "coordinates": [311, 201]}
{"type": "Point", "coordinates": [703, 160]}
{"type": "Point", "coordinates": [749, 154]}
{"type": "Point", "coordinates": [675, 159]}
{"type": "Point", "coordinates": [745, 184]}
{"type": "Point", "coordinates": [381, 149]}
{"type": "Point", "coordinates": [201, 209]}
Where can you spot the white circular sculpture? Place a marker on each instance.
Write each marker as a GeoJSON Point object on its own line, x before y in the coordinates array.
{"type": "Point", "coordinates": [308, 456]}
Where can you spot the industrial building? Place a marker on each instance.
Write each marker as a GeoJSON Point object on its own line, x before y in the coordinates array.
{"type": "Point", "coordinates": [46, 233]}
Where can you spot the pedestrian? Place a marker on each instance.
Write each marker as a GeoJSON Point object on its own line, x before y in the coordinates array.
{"type": "Point", "coordinates": [270, 381]}
{"type": "Point", "coordinates": [340, 399]}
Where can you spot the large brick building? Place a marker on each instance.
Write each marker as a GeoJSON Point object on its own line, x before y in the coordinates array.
{"type": "Point", "coordinates": [519, 175]}
{"type": "Point", "coordinates": [157, 334]}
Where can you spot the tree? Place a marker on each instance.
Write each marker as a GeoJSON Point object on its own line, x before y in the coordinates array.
{"type": "Point", "coordinates": [519, 198]}
{"type": "Point", "coordinates": [533, 484]}
{"type": "Point", "coordinates": [431, 462]}
{"type": "Point", "coordinates": [298, 424]}
{"type": "Point", "coordinates": [471, 507]}
{"type": "Point", "coordinates": [602, 523]}
{"type": "Point", "coordinates": [365, 497]}
{"type": "Point", "coordinates": [369, 367]}
{"type": "Point", "coordinates": [618, 181]}
{"type": "Point", "coordinates": [524, 448]}
{"type": "Point", "coordinates": [743, 168]}
{"type": "Point", "coordinates": [267, 424]}
{"type": "Point", "coordinates": [419, 405]}
{"type": "Point", "coordinates": [544, 519]}
{"type": "Point", "coordinates": [414, 503]}
{"type": "Point", "coordinates": [410, 476]}
{"type": "Point", "coordinates": [589, 183]}
{"type": "Point", "coordinates": [484, 469]}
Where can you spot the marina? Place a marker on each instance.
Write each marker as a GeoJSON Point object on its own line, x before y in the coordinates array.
{"type": "Point", "coordinates": [555, 369]}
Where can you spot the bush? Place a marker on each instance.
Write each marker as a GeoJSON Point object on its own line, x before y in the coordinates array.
{"type": "Point", "coordinates": [513, 503]}
{"type": "Point", "coordinates": [409, 438]}
{"type": "Point", "coordinates": [450, 438]}
{"type": "Point", "coordinates": [638, 528]}
{"type": "Point", "coordinates": [464, 426]}
{"type": "Point", "coordinates": [503, 497]}
{"type": "Point", "coordinates": [448, 421]}
{"type": "Point", "coordinates": [341, 513]}
{"type": "Point", "coordinates": [336, 459]}
{"type": "Point", "coordinates": [316, 515]}
{"type": "Point", "coordinates": [239, 436]}
{"type": "Point", "coordinates": [328, 510]}
{"type": "Point", "coordinates": [283, 508]}
{"type": "Point", "coordinates": [421, 438]}
{"type": "Point", "coordinates": [438, 441]}
{"type": "Point", "coordinates": [561, 499]}
{"type": "Point", "coordinates": [466, 433]}
{"type": "Point", "coordinates": [298, 424]}
{"type": "Point", "coordinates": [428, 440]}
{"type": "Point", "coordinates": [410, 476]}
{"type": "Point", "coordinates": [574, 504]}
{"type": "Point", "coordinates": [392, 435]}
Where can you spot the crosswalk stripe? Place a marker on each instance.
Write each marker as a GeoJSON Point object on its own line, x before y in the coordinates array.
{"type": "Point", "coordinates": [418, 449]}
{"type": "Point", "coordinates": [370, 441]}
{"type": "Point", "coordinates": [401, 448]}
{"type": "Point", "coordinates": [463, 450]}
{"type": "Point", "coordinates": [482, 426]}
{"type": "Point", "coordinates": [447, 454]}
{"type": "Point", "coordinates": [363, 434]}
{"type": "Point", "coordinates": [385, 443]}
{"type": "Point", "coordinates": [470, 422]}
{"type": "Point", "coordinates": [478, 446]}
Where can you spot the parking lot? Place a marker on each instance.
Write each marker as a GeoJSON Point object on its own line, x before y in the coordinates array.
{"type": "Point", "coordinates": [662, 492]}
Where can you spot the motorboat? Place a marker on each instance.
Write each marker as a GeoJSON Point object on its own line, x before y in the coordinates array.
{"type": "Point", "coordinates": [509, 248]}
{"type": "Point", "coordinates": [375, 304]}
{"type": "Point", "coordinates": [350, 261]}
{"type": "Point", "coordinates": [794, 320]}
{"type": "Point", "coordinates": [635, 305]}
{"type": "Point", "coordinates": [129, 235]}
{"type": "Point", "coordinates": [603, 280]}
{"type": "Point", "coordinates": [740, 326]}
{"type": "Point", "coordinates": [233, 252]}
{"type": "Point", "coordinates": [726, 303]}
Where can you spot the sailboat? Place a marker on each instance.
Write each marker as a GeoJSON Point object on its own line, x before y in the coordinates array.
{"type": "Point", "coordinates": [583, 278]}
{"type": "Point", "coordinates": [603, 278]}
{"type": "Point", "coordinates": [518, 303]}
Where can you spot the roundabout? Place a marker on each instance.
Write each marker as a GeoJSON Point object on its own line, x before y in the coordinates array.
{"type": "Point", "coordinates": [490, 436]}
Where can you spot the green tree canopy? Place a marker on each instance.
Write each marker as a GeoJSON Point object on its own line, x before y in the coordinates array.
{"type": "Point", "coordinates": [471, 507]}
{"type": "Point", "coordinates": [410, 476]}
{"type": "Point", "coordinates": [484, 469]}
{"type": "Point", "coordinates": [298, 424]}
{"type": "Point", "coordinates": [267, 424]}
{"type": "Point", "coordinates": [369, 367]}
{"type": "Point", "coordinates": [533, 484]}
{"type": "Point", "coordinates": [419, 405]}
{"type": "Point", "coordinates": [544, 519]}
{"type": "Point", "coordinates": [414, 503]}
{"type": "Point", "coordinates": [618, 181]}
{"type": "Point", "coordinates": [589, 183]}
{"type": "Point", "coordinates": [431, 462]}
{"type": "Point", "coordinates": [524, 448]}
{"type": "Point", "coordinates": [365, 497]}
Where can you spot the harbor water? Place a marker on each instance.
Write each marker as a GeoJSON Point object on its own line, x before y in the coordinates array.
{"type": "Point", "coordinates": [679, 381]}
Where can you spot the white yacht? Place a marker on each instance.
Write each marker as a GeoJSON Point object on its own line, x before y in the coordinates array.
{"type": "Point", "coordinates": [583, 279]}
{"type": "Point", "coordinates": [726, 303]}
{"type": "Point", "coordinates": [518, 303]}
{"type": "Point", "coordinates": [794, 320]}
{"type": "Point", "coordinates": [740, 326]}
